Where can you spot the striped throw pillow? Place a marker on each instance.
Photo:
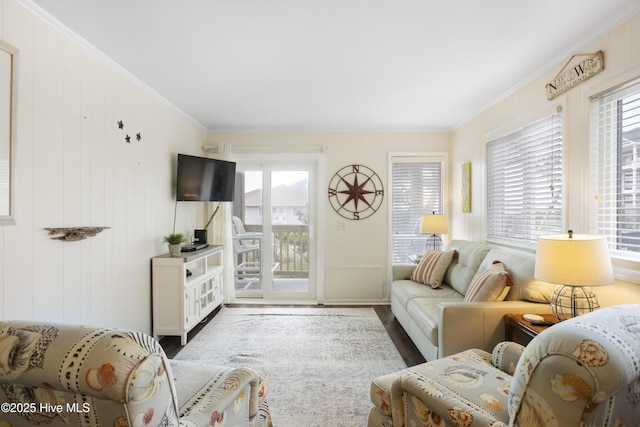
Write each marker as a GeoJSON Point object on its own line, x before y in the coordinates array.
{"type": "Point", "coordinates": [432, 268]}
{"type": "Point", "coordinates": [493, 284]}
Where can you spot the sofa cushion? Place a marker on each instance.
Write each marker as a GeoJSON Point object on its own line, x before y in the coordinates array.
{"type": "Point", "coordinates": [520, 266]}
{"type": "Point", "coordinates": [432, 267]}
{"type": "Point", "coordinates": [406, 290]}
{"type": "Point", "coordinates": [425, 313]}
{"type": "Point", "coordinates": [492, 284]}
{"type": "Point", "coordinates": [463, 269]}
{"type": "Point", "coordinates": [462, 389]}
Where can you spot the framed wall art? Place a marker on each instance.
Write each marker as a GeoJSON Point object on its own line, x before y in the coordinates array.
{"type": "Point", "coordinates": [466, 187]}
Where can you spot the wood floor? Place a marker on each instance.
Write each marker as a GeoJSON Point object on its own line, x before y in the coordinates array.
{"type": "Point", "coordinates": [403, 343]}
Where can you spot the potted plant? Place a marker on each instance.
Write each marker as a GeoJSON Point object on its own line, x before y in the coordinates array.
{"type": "Point", "coordinates": [174, 241]}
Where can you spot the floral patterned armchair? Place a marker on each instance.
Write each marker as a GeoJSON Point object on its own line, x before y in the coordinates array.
{"type": "Point", "coordinates": [66, 375]}
{"type": "Point", "coordinates": [583, 371]}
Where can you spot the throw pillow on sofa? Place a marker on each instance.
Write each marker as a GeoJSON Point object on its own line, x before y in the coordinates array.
{"type": "Point", "coordinates": [432, 267]}
{"type": "Point", "coordinates": [521, 266]}
{"type": "Point", "coordinates": [493, 284]}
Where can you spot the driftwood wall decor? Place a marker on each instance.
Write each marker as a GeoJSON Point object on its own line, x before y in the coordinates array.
{"type": "Point", "coordinates": [71, 234]}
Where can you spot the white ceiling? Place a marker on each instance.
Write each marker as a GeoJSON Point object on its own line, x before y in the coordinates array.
{"type": "Point", "coordinates": [336, 64]}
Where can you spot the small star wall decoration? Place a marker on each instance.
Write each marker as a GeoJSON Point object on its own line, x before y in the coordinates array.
{"type": "Point", "coordinates": [120, 124]}
{"type": "Point", "coordinates": [127, 139]}
{"type": "Point", "coordinates": [138, 136]}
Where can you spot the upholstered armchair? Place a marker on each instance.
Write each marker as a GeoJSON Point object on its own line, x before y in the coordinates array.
{"type": "Point", "coordinates": [583, 371]}
{"type": "Point", "coordinates": [67, 375]}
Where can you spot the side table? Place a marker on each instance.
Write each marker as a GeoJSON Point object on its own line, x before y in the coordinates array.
{"type": "Point", "coordinates": [521, 331]}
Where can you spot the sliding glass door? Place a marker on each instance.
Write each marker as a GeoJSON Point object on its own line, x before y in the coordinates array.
{"type": "Point", "coordinates": [273, 238]}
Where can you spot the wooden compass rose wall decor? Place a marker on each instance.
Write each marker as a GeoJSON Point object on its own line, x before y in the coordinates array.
{"type": "Point", "coordinates": [355, 192]}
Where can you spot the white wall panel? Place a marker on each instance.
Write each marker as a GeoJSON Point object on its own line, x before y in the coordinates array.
{"type": "Point", "coordinates": [48, 163]}
{"type": "Point", "coordinates": [17, 268]}
{"type": "Point", "coordinates": [84, 153]}
{"type": "Point", "coordinates": [359, 283]}
{"type": "Point", "coordinates": [99, 111]}
{"type": "Point", "coordinates": [72, 180]}
{"type": "Point", "coordinates": [121, 226]}
{"type": "Point", "coordinates": [75, 169]}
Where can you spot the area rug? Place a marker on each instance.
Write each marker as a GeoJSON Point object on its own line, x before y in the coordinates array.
{"type": "Point", "coordinates": [320, 360]}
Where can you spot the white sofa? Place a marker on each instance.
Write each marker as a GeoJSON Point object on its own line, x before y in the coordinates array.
{"type": "Point", "coordinates": [441, 323]}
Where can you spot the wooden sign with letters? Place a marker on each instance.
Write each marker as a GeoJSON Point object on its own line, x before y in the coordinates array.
{"type": "Point", "coordinates": [570, 77]}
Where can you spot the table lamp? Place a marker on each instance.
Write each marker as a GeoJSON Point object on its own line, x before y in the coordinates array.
{"type": "Point", "coordinates": [434, 224]}
{"type": "Point", "coordinates": [573, 261]}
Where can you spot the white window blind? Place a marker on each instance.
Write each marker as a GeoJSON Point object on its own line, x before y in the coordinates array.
{"type": "Point", "coordinates": [417, 189]}
{"type": "Point", "coordinates": [615, 168]}
{"type": "Point", "coordinates": [525, 183]}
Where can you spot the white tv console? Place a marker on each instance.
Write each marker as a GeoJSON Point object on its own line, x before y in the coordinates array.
{"type": "Point", "coordinates": [185, 290]}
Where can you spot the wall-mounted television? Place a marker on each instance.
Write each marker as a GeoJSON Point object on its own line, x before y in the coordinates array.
{"type": "Point", "coordinates": [201, 179]}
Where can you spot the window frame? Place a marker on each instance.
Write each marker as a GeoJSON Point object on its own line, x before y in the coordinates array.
{"type": "Point", "coordinates": [515, 127]}
{"type": "Point", "coordinates": [415, 157]}
{"type": "Point", "coordinates": [631, 85]}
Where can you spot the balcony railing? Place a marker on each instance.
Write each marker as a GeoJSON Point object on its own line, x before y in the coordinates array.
{"type": "Point", "coordinates": [290, 249]}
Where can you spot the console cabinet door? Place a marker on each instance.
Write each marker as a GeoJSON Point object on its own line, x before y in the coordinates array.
{"type": "Point", "coordinates": [191, 306]}
{"type": "Point", "coordinates": [185, 290]}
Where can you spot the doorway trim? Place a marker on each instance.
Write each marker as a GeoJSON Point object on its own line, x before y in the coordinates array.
{"type": "Point", "coordinates": [309, 158]}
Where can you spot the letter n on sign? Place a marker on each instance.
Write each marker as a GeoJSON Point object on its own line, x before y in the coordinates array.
{"type": "Point", "coordinates": [571, 76]}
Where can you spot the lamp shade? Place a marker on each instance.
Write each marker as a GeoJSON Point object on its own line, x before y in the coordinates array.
{"type": "Point", "coordinates": [573, 260]}
{"type": "Point", "coordinates": [434, 224]}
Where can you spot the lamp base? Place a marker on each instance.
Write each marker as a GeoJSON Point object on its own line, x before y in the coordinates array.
{"type": "Point", "coordinates": [572, 301]}
{"type": "Point", "coordinates": [434, 243]}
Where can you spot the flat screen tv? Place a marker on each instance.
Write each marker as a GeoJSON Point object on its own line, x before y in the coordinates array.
{"type": "Point", "coordinates": [201, 179]}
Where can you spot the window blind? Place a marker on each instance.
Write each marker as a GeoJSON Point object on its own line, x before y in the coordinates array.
{"type": "Point", "coordinates": [525, 183]}
{"type": "Point", "coordinates": [417, 189]}
{"type": "Point", "coordinates": [615, 168]}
